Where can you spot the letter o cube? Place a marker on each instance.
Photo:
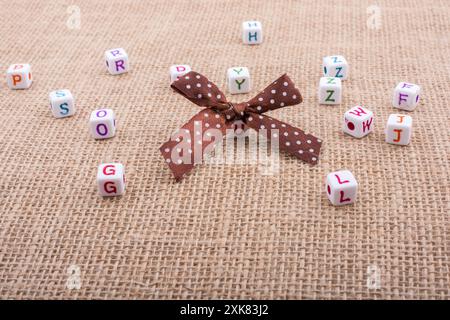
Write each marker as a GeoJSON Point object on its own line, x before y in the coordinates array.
{"type": "Point", "coordinates": [117, 61]}
{"type": "Point", "coordinates": [330, 90]}
{"type": "Point", "coordinates": [358, 122]}
{"type": "Point", "coordinates": [238, 79]}
{"type": "Point", "coordinates": [18, 76]}
{"type": "Point", "coordinates": [398, 129]}
{"type": "Point", "coordinates": [62, 103]}
{"type": "Point", "coordinates": [335, 66]}
{"type": "Point", "coordinates": [252, 32]}
{"type": "Point", "coordinates": [111, 179]}
{"type": "Point", "coordinates": [406, 96]}
{"type": "Point", "coordinates": [178, 71]}
{"type": "Point", "coordinates": [341, 187]}
{"type": "Point", "coordinates": [102, 124]}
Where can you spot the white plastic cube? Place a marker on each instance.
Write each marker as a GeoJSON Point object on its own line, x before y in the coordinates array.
{"type": "Point", "coordinates": [102, 124]}
{"type": "Point", "coordinates": [18, 76]}
{"type": "Point", "coordinates": [62, 103]}
{"type": "Point", "coordinates": [117, 61]}
{"type": "Point", "coordinates": [406, 96]}
{"type": "Point", "coordinates": [335, 66]}
{"type": "Point", "coordinates": [398, 129]}
{"type": "Point", "coordinates": [111, 179]}
{"type": "Point", "coordinates": [238, 79]}
{"type": "Point", "coordinates": [178, 71]}
{"type": "Point", "coordinates": [358, 122]}
{"type": "Point", "coordinates": [252, 32]}
{"type": "Point", "coordinates": [341, 187]}
{"type": "Point", "coordinates": [330, 90]}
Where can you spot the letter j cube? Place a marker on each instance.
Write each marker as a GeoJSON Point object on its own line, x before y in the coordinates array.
{"type": "Point", "coordinates": [18, 76]}
{"type": "Point", "coordinates": [238, 79]}
{"type": "Point", "coordinates": [406, 96]}
{"type": "Point", "coordinates": [398, 129]}
{"type": "Point", "coordinates": [111, 179]}
{"type": "Point", "coordinates": [117, 61]}
{"type": "Point", "coordinates": [341, 187]}
{"type": "Point", "coordinates": [102, 124]}
{"type": "Point", "coordinates": [330, 90]}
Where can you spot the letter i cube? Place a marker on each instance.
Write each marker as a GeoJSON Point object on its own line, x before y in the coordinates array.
{"type": "Point", "coordinates": [358, 122]}
{"type": "Point", "coordinates": [252, 32]}
{"type": "Point", "coordinates": [335, 66]}
{"type": "Point", "coordinates": [238, 79]}
{"type": "Point", "coordinates": [406, 96]}
{"type": "Point", "coordinates": [18, 76]}
{"type": "Point", "coordinates": [102, 124]}
{"type": "Point", "coordinates": [398, 129]}
{"type": "Point", "coordinates": [62, 103]}
{"type": "Point", "coordinates": [341, 187]}
{"type": "Point", "coordinates": [117, 61]}
{"type": "Point", "coordinates": [111, 179]}
{"type": "Point", "coordinates": [330, 90]}
{"type": "Point", "coordinates": [178, 71]}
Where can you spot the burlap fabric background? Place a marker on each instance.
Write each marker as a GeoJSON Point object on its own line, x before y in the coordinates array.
{"type": "Point", "coordinates": [225, 231]}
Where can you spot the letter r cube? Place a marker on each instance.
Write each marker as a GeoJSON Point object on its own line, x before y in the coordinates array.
{"type": "Point", "coordinates": [341, 187]}
{"type": "Point", "coordinates": [117, 61]}
{"type": "Point", "coordinates": [111, 179]}
{"type": "Point", "coordinates": [18, 76]}
{"type": "Point", "coordinates": [238, 79]}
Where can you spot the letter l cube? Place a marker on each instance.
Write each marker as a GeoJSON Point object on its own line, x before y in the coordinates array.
{"type": "Point", "coordinates": [341, 187]}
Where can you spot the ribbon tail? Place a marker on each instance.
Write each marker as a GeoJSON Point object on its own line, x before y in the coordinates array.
{"type": "Point", "coordinates": [292, 140]}
{"type": "Point", "coordinates": [189, 144]}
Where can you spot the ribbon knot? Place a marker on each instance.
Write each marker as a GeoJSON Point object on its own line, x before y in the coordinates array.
{"type": "Point", "coordinates": [194, 138]}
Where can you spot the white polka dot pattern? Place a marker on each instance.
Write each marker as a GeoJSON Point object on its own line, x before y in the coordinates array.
{"type": "Point", "coordinates": [195, 139]}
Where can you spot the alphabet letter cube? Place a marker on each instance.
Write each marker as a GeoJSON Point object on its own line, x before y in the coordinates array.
{"type": "Point", "coordinates": [111, 179]}
{"type": "Point", "coordinates": [102, 124]}
{"type": "Point", "coordinates": [238, 79]}
{"type": "Point", "coordinates": [335, 66]}
{"type": "Point", "coordinates": [398, 129]}
{"type": "Point", "coordinates": [18, 76]}
{"type": "Point", "coordinates": [358, 122]}
{"type": "Point", "coordinates": [341, 187]}
{"type": "Point", "coordinates": [117, 61]}
{"type": "Point", "coordinates": [178, 70]}
{"type": "Point", "coordinates": [62, 103]}
{"type": "Point", "coordinates": [330, 90]}
{"type": "Point", "coordinates": [406, 96]}
{"type": "Point", "coordinates": [252, 32]}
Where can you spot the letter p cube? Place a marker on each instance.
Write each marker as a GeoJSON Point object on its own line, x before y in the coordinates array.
{"type": "Point", "coordinates": [18, 76]}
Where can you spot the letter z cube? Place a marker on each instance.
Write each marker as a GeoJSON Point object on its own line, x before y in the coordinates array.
{"type": "Point", "coordinates": [111, 179]}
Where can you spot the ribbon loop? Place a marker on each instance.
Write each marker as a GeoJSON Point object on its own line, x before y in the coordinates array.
{"type": "Point", "coordinates": [219, 114]}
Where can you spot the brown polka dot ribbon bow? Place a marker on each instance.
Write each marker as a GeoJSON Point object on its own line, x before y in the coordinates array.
{"type": "Point", "coordinates": [194, 140]}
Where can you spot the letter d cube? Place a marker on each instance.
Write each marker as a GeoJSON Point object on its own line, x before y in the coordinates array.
{"type": "Point", "coordinates": [111, 179]}
{"type": "Point", "coordinates": [18, 76]}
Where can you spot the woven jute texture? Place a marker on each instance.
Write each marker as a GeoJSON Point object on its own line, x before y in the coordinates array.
{"type": "Point", "coordinates": [226, 231]}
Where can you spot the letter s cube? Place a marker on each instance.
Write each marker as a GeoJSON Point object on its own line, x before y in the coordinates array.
{"type": "Point", "coordinates": [18, 76]}
{"type": "Point", "coordinates": [117, 61]}
{"type": "Point", "coordinates": [341, 187]}
{"type": "Point", "coordinates": [111, 179]}
{"type": "Point", "coordinates": [102, 124]}
{"type": "Point", "coordinates": [62, 103]}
